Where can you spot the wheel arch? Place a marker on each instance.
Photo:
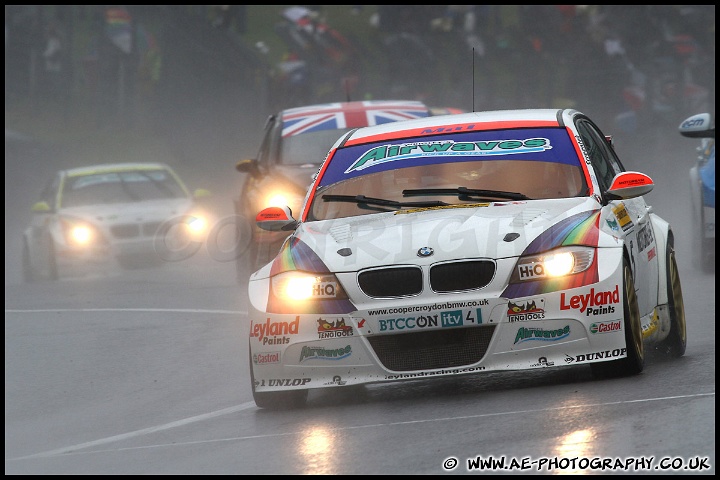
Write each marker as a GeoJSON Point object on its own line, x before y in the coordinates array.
{"type": "Point", "coordinates": [663, 237]}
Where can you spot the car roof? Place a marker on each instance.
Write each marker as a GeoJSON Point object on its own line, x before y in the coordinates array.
{"type": "Point", "coordinates": [114, 167]}
{"type": "Point", "coordinates": [486, 120]}
{"type": "Point", "coordinates": [343, 115]}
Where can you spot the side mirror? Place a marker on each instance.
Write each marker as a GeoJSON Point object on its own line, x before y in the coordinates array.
{"type": "Point", "coordinates": [248, 165]}
{"type": "Point", "coordinates": [276, 219]}
{"type": "Point", "coordinates": [630, 185]}
{"type": "Point", "coordinates": [41, 207]}
{"type": "Point", "coordinates": [698, 126]}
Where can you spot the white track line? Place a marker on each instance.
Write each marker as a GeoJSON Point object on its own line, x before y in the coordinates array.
{"type": "Point", "coordinates": [73, 449]}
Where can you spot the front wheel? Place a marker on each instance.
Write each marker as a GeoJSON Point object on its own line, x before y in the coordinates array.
{"type": "Point", "coordinates": [286, 400]}
{"type": "Point", "coordinates": [52, 266]}
{"type": "Point", "coordinates": [634, 363]}
{"type": "Point", "coordinates": [676, 342]}
{"type": "Point", "coordinates": [28, 270]}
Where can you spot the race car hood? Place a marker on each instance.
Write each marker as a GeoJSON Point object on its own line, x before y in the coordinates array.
{"type": "Point", "coordinates": [121, 213]}
{"type": "Point", "coordinates": [489, 230]}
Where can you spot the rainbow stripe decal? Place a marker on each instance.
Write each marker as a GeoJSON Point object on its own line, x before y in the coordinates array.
{"type": "Point", "coordinates": [580, 229]}
{"type": "Point", "coordinates": [297, 255]}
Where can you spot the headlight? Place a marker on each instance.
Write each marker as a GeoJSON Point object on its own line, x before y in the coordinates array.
{"type": "Point", "coordinates": [79, 233]}
{"type": "Point", "coordinates": [301, 286]}
{"type": "Point", "coordinates": [556, 263]}
{"type": "Point", "coordinates": [196, 223]}
{"type": "Point", "coordinates": [281, 198]}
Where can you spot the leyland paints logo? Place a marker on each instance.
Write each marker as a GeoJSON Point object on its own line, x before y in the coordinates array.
{"type": "Point", "coordinates": [404, 151]}
{"type": "Point", "coordinates": [593, 303]}
{"type": "Point", "coordinates": [273, 333]}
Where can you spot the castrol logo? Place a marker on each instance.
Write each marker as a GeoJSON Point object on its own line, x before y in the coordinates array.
{"type": "Point", "coordinates": [606, 327]}
{"type": "Point", "coordinates": [265, 358]}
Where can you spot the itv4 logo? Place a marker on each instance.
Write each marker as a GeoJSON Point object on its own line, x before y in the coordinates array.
{"type": "Point", "coordinates": [455, 318]}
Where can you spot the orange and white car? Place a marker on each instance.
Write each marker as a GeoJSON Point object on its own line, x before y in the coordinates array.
{"type": "Point", "coordinates": [464, 244]}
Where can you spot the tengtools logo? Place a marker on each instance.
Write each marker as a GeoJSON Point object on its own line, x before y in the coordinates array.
{"type": "Point", "coordinates": [593, 303]}
{"type": "Point", "coordinates": [530, 310]}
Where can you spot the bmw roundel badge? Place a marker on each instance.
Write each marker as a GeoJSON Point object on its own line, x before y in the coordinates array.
{"type": "Point", "coordinates": [425, 252]}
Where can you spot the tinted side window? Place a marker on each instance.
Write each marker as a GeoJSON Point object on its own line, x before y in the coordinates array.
{"type": "Point", "coordinates": [600, 154]}
{"type": "Point", "coordinates": [49, 193]}
{"type": "Point", "coordinates": [265, 154]}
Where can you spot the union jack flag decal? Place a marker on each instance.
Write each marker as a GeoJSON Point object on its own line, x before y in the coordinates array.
{"type": "Point", "coordinates": [335, 116]}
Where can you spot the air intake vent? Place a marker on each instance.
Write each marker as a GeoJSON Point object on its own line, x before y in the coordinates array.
{"type": "Point", "coordinates": [444, 348]}
{"type": "Point", "coordinates": [129, 230]}
{"type": "Point", "coordinates": [459, 276]}
{"type": "Point", "coordinates": [391, 282]}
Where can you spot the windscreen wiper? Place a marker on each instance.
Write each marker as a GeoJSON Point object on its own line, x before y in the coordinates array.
{"type": "Point", "coordinates": [464, 193]}
{"type": "Point", "coordinates": [362, 200]}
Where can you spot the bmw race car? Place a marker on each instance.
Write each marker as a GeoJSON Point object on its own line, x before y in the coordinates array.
{"type": "Point", "coordinates": [132, 214]}
{"type": "Point", "coordinates": [702, 189]}
{"type": "Point", "coordinates": [464, 244]}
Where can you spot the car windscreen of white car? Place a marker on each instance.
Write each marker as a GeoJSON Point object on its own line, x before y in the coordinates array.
{"type": "Point", "coordinates": [494, 166]}
{"type": "Point", "coordinates": [120, 187]}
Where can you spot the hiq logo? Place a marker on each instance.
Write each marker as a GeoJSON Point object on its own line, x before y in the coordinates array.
{"type": "Point", "coordinates": [451, 319]}
{"type": "Point", "coordinates": [531, 270]}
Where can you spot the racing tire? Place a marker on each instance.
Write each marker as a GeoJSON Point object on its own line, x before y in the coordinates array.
{"type": "Point", "coordinates": [246, 263]}
{"type": "Point", "coordinates": [703, 247]}
{"type": "Point", "coordinates": [706, 249]}
{"type": "Point", "coordinates": [28, 271]}
{"type": "Point", "coordinates": [634, 363]}
{"type": "Point", "coordinates": [288, 400]}
{"type": "Point", "coordinates": [52, 264]}
{"type": "Point", "coordinates": [675, 343]}
{"type": "Point", "coordinates": [707, 252]}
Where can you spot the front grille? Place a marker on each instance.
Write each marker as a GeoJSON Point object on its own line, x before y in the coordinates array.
{"type": "Point", "coordinates": [446, 348]}
{"type": "Point", "coordinates": [149, 229]}
{"type": "Point", "coordinates": [459, 276]}
{"type": "Point", "coordinates": [129, 230]}
{"type": "Point", "coordinates": [391, 282]}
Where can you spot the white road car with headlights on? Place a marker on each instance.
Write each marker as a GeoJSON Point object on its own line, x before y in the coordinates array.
{"type": "Point", "coordinates": [89, 218]}
{"type": "Point", "coordinates": [464, 244]}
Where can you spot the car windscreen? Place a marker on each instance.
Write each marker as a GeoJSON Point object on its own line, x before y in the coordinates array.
{"type": "Point", "coordinates": [532, 163]}
{"type": "Point", "coordinates": [120, 187]}
{"type": "Point", "coordinates": [309, 147]}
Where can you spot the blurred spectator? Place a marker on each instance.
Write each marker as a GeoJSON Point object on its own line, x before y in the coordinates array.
{"type": "Point", "coordinates": [54, 59]}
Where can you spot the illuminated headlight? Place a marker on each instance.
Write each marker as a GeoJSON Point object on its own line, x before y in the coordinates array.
{"type": "Point", "coordinates": [553, 264]}
{"type": "Point", "coordinates": [79, 233]}
{"type": "Point", "coordinates": [196, 224]}
{"type": "Point", "coordinates": [301, 286]}
{"type": "Point", "coordinates": [283, 199]}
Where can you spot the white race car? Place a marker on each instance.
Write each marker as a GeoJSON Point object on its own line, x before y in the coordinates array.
{"type": "Point", "coordinates": [702, 189]}
{"type": "Point", "coordinates": [137, 214]}
{"type": "Point", "coordinates": [464, 244]}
